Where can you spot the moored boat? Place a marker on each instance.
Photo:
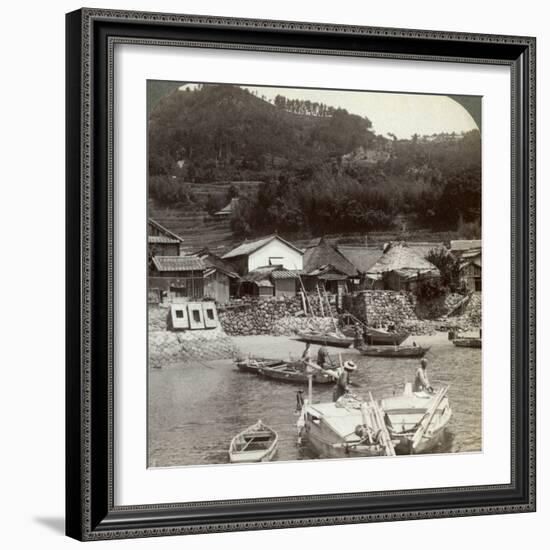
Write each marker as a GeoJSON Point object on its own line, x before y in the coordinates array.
{"type": "Point", "coordinates": [467, 342]}
{"type": "Point", "coordinates": [336, 430]}
{"type": "Point", "coordinates": [253, 364]}
{"type": "Point", "coordinates": [381, 337]}
{"type": "Point", "coordinates": [295, 372]}
{"type": "Point", "coordinates": [258, 443]}
{"type": "Point", "coordinates": [398, 351]}
{"type": "Point", "coordinates": [324, 338]}
{"type": "Point", "coordinates": [417, 420]}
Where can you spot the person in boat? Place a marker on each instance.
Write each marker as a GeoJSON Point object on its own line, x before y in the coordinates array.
{"type": "Point", "coordinates": [421, 382]}
{"type": "Point", "coordinates": [358, 341]}
{"type": "Point", "coordinates": [343, 383]}
{"type": "Point", "coordinates": [306, 355]}
{"type": "Point", "coordinates": [323, 358]}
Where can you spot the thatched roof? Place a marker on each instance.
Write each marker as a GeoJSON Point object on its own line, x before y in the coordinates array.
{"type": "Point", "coordinates": [361, 257]}
{"type": "Point", "coordinates": [325, 254]}
{"type": "Point", "coordinates": [404, 259]}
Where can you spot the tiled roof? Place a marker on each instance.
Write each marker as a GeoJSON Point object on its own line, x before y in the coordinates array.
{"type": "Point", "coordinates": [260, 273]}
{"type": "Point", "coordinates": [286, 274]}
{"type": "Point", "coordinates": [156, 225]}
{"type": "Point", "coordinates": [325, 254]}
{"type": "Point", "coordinates": [251, 246]}
{"type": "Point", "coordinates": [178, 263]}
{"type": "Point", "coordinates": [362, 257]}
{"type": "Point", "coordinates": [228, 209]}
{"type": "Point", "coordinates": [161, 239]}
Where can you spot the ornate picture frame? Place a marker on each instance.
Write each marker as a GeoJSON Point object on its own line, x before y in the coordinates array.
{"type": "Point", "coordinates": [91, 336]}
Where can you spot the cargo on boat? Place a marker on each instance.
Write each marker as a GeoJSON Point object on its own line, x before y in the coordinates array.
{"type": "Point", "coordinates": [258, 443]}
{"type": "Point", "coordinates": [347, 428]}
{"type": "Point", "coordinates": [398, 351]}
{"type": "Point", "coordinates": [417, 420]}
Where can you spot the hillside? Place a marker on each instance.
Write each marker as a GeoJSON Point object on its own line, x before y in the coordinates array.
{"type": "Point", "coordinates": [303, 169]}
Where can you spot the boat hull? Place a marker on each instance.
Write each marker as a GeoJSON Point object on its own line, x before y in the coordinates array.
{"type": "Point", "coordinates": [295, 376]}
{"type": "Point", "coordinates": [378, 338]}
{"type": "Point", "coordinates": [253, 365]}
{"type": "Point", "coordinates": [388, 351]}
{"type": "Point", "coordinates": [324, 339]}
{"type": "Point", "coordinates": [258, 443]}
{"type": "Point", "coordinates": [467, 342]}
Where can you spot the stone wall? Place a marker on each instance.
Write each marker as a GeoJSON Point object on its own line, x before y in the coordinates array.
{"type": "Point", "coordinates": [384, 307]}
{"type": "Point", "coordinates": [167, 347]}
{"type": "Point", "coordinates": [277, 316]}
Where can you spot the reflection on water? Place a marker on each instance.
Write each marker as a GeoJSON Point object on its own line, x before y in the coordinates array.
{"type": "Point", "coordinates": [196, 408]}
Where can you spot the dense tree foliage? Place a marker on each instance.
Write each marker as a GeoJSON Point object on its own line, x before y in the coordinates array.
{"type": "Point", "coordinates": [322, 169]}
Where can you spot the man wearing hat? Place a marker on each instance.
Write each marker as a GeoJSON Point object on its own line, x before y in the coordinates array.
{"type": "Point", "coordinates": [343, 383]}
{"type": "Point", "coordinates": [421, 382]}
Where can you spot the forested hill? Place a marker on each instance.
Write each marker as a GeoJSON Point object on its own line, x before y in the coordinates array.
{"type": "Point", "coordinates": [219, 131]}
{"type": "Point", "coordinates": [323, 169]}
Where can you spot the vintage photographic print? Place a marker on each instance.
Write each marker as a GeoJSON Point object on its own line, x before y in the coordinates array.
{"type": "Point", "coordinates": [314, 274]}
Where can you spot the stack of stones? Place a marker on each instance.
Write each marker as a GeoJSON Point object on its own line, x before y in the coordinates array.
{"type": "Point", "coordinates": [167, 347]}
{"type": "Point", "coordinates": [277, 316]}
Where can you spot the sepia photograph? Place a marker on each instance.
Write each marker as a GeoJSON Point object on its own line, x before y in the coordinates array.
{"type": "Point", "coordinates": [314, 265]}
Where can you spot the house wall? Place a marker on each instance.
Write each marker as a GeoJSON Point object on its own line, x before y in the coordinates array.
{"type": "Point", "coordinates": [470, 276]}
{"type": "Point", "coordinates": [216, 286]}
{"type": "Point", "coordinates": [191, 286]}
{"type": "Point", "coordinates": [164, 249]}
{"type": "Point", "coordinates": [285, 287]}
{"type": "Point", "coordinates": [291, 259]}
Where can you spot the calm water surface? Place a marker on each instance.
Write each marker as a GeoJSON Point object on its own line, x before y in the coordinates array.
{"type": "Point", "coordinates": [195, 409]}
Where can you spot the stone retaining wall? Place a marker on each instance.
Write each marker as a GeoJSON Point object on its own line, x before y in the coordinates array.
{"type": "Point", "coordinates": [167, 347]}
{"type": "Point", "coordinates": [384, 307]}
{"type": "Point", "coordinates": [280, 316]}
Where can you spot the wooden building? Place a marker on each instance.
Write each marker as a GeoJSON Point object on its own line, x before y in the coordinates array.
{"type": "Point", "coordinates": [161, 241]}
{"type": "Point", "coordinates": [400, 268]}
{"type": "Point", "coordinates": [178, 276]}
{"type": "Point", "coordinates": [265, 252]}
{"type": "Point", "coordinates": [220, 280]}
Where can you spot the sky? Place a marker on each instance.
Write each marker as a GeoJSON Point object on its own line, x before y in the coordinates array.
{"type": "Point", "coordinates": [397, 113]}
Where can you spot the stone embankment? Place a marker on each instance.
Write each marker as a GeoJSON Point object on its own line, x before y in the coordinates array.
{"type": "Point", "coordinates": [165, 346]}
{"type": "Point", "coordinates": [279, 316]}
{"type": "Point", "coordinates": [402, 309]}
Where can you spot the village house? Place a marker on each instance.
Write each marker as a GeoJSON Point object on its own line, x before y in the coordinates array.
{"type": "Point", "coordinates": [220, 280]}
{"type": "Point", "coordinates": [227, 210]}
{"type": "Point", "coordinates": [468, 253]}
{"type": "Point", "coordinates": [327, 268]}
{"type": "Point", "coordinates": [265, 252]}
{"type": "Point", "coordinates": [400, 268]}
{"type": "Point", "coordinates": [178, 276]}
{"type": "Point", "coordinates": [361, 257]}
{"type": "Point", "coordinates": [161, 241]}
{"type": "Point", "coordinates": [269, 281]}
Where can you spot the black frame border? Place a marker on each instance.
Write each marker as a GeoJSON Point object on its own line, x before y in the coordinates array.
{"type": "Point", "coordinates": [90, 38]}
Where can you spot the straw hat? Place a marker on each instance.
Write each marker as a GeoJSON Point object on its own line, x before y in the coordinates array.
{"type": "Point", "coordinates": [350, 366]}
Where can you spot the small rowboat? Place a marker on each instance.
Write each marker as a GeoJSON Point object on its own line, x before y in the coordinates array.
{"type": "Point", "coordinates": [325, 338]}
{"type": "Point", "coordinates": [417, 421]}
{"type": "Point", "coordinates": [389, 351]}
{"type": "Point", "coordinates": [258, 443]}
{"type": "Point", "coordinates": [253, 364]}
{"type": "Point", "coordinates": [467, 342]}
{"type": "Point", "coordinates": [295, 373]}
{"type": "Point", "coordinates": [379, 337]}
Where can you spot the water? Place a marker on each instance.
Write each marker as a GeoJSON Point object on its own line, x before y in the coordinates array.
{"type": "Point", "coordinates": [196, 408]}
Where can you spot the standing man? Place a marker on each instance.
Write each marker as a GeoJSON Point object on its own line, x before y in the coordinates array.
{"type": "Point", "coordinates": [421, 382]}
{"type": "Point", "coordinates": [306, 355]}
{"type": "Point", "coordinates": [343, 383]}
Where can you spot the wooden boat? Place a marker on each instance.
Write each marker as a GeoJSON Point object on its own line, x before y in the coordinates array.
{"type": "Point", "coordinates": [295, 372]}
{"type": "Point", "coordinates": [331, 430]}
{"type": "Point", "coordinates": [325, 338]}
{"type": "Point", "coordinates": [417, 421]}
{"type": "Point", "coordinates": [253, 364]}
{"type": "Point", "coordinates": [258, 443]}
{"type": "Point", "coordinates": [381, 337]}
{"type": "Point", "coordinates": [467, 342]}
{"type": "Point", "coordinates": [390, 351]}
